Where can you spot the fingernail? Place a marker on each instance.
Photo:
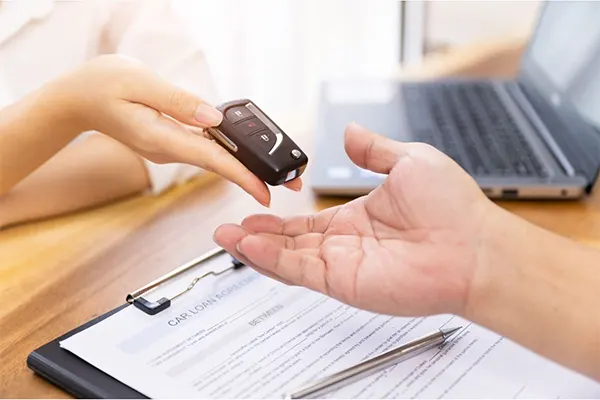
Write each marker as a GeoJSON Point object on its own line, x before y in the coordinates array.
{"type": "Point", "coordinates": [238, 247]}
{"type": "Point", "coordinates": [266, 203]}
{"type": "Point", "coordinates": [208, 115]}
{"type": "Point", "coordinates": [215, 237]}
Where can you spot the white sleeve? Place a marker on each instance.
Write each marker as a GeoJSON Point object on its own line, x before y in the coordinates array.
{"type": "Point", "coordinates": [164, 176]}
{"type": "Point", "coordinates": [151, 32]}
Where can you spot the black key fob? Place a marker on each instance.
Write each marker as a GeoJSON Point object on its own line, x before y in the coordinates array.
{"type": "Point", "coordinates": [258, 143]}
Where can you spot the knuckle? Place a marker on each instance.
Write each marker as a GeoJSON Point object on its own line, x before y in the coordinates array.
{"type": "Point", "coordinates": [290, 243]}
{"type": "Point", "coordinates": [115, 72]}
{"type": "Point", "coordinates": [180, 103]}
{"type": "Point", "coordinates": [147, 144]}
{"type": "Point", "coordinates": [210, 161]}
{"type": "Point", "coordinates": [369, 152]}
{"type": "Point", "coordinates": [218, 159]}
{"type": "Point", "coordinates": [310, 221]}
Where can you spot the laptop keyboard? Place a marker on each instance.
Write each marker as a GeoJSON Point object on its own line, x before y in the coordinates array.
{"type": "Point", "coordinates": [469, 123]}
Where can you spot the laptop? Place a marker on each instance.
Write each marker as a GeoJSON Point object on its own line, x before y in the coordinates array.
{"type": "Point", "coordinates": [534, 137]}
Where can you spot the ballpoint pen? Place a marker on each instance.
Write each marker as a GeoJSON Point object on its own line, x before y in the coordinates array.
{"type": "Point", "coordinates": [374, 364]}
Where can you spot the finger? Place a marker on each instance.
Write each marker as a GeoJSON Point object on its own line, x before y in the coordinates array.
{"type": "Point", "coordinates": [153, 91]}
{"type": "Point", "coordinates": [308, 243]}
{"type": "Point", "coordinates": [292, 226]}
{"type": "Point", "coordinates": [216, 159]}
{"type": "Point", "coordinates": [196, 130]}
{"type": "Point", "coordinates": [228, 236]}
{"type": "Point", "coordinates": [295, 185]}
{"type": "Point", "coordinates": [263, 223]}
{"type": "Point", "coordinates": [175, 143]}
{"type": "Point", "coordinates": [296, 267]}
{"type": "Point", "coordinates": [372, 151]}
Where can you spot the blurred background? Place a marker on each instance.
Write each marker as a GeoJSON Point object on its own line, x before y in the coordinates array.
{"type": "Point", "coordinates": [277, 51]}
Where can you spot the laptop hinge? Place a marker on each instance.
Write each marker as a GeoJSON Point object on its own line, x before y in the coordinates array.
{"type": "Point", "coordinates": [572, 137]}
{"type": "Point", "coordinates": [522, 100]}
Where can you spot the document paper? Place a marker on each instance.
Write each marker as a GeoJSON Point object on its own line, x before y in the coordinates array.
{"type": "Point", "coordinates": [242, 335]}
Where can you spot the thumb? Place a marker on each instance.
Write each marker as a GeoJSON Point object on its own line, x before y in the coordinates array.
{"type": "Point", "coordinates": [372, 151]}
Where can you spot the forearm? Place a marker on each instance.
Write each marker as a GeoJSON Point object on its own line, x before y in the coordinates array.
{"type": "Point", "coordinates": [31, 132]}
{"type": "Point", "coordinates": [91, 172]}
{"type": "Point", "coordinates": [540, 290]}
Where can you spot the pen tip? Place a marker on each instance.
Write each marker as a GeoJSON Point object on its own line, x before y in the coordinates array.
{"type": "Point", "coordinates": [447, 332]}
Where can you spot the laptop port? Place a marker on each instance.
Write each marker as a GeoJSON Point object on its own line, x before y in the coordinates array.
{"type": "Point", "coordinates": [510, 192]}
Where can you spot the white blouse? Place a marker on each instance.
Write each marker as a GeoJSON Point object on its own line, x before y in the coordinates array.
{"type": "Point", "coordinates": [40, 39]}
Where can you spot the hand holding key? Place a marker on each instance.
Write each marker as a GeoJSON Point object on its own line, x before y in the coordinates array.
{"type": "Point", "coordinates": [157, 120]}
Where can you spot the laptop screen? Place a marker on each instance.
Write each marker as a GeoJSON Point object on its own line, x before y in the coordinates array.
{"type": "Point", "coordinates": [566, 49]}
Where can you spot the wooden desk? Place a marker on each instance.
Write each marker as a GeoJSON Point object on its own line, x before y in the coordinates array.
{"type": "Point", "coordinates": [60, 273]}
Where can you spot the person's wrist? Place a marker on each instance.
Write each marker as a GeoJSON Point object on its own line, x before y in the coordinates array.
{"type": "Point", "coordinates": [503, 236]}
{"type": "Point", "coordinates": [64, 105]}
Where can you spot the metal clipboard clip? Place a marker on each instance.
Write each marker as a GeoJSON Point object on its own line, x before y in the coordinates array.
{"type": "Point", "coordinates": [154, 307]}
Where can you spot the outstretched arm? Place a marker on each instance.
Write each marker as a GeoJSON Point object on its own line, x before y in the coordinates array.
{"type": "Point", "coordinates": [427, 241]}
{"type": "Point", "coordinates": [98, 169]}
{"type": "Point", "coordinates": [31, 131]}
{"type": "Point", "coordinates": [126, 101]}
{"type": "Point", "coordinates": [541, 290]}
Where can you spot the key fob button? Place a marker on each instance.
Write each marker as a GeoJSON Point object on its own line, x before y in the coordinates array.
{"type": "Point", "coordinates": [236, 114]}
{"type": "Point", "coordinates": [250, 126]}
{"type": "Point", "coordinates": [296, 154]}
{"type": "Point", "coordinates": [265, 139]}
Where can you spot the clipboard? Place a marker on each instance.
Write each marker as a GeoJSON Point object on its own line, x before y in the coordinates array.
{"type": "Point", "coordinates": [81, 379]}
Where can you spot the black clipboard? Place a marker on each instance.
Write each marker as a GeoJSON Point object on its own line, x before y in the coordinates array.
{"type": "Point", "coordinates": [81, 379]}
{"type": "Point", "coordinates": [74, 375]}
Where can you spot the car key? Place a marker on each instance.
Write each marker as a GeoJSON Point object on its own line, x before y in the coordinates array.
{"type": "Point", "coordinates": [258, 143]}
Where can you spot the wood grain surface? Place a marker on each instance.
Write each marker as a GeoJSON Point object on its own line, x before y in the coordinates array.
{"type": "Point", "coordinates": [58, 274]}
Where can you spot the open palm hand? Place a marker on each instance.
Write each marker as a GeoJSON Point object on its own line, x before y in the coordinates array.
{"type": "Point", "coordinates": [410, 247]}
